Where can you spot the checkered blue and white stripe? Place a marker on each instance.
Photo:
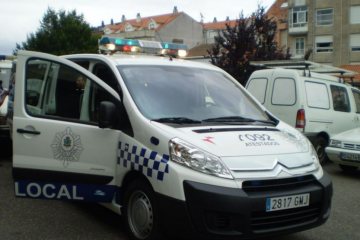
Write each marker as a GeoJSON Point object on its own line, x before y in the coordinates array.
{"type": "Point", "coordinates": [150, 163]}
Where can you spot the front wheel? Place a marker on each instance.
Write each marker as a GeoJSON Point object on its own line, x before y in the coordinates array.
{"type": "Point", "coordinates": [320, 145]}
{"type": "Point", "coordinates": [141, 212]}
{"type": "Point", "coordinates": [349, 169]}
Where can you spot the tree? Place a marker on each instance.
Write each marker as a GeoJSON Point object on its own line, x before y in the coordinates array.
{"type": "Point", "coordinates": [61, 33]}
{"type": "Point", "coordinates": [251, 39]}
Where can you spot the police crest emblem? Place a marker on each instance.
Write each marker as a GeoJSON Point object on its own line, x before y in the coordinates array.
{"type": "Point", "coordinates": [67, 147]}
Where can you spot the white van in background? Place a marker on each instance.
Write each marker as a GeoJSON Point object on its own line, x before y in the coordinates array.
{"type": "Point", "coordinates": [317, 105]}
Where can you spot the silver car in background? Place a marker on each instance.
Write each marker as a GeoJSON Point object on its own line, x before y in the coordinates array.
{"type": "Point", "coordinates": [344, 149]}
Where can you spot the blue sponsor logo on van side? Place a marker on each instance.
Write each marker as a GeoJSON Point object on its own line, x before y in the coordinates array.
{"type": "Point", "coordinates": [65, 191]}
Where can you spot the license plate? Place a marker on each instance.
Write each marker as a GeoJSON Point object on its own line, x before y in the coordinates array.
{"type": "Point", "coordinates": [350, 156]}
{"type": "Point", "coordinates": [287, 202]}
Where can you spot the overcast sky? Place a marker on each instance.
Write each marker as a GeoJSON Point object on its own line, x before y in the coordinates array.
{"type": "Point", "coordinates": [18, 18]}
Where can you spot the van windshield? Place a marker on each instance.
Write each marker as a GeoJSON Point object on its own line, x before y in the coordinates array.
{"type": "Point", "coordinates": [188, 94]}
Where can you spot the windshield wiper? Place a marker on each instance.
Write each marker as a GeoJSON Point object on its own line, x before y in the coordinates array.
{"type": "Point", "coordinates": [176, 120]}
{"type": "Point", "coordinates": [237, 119]}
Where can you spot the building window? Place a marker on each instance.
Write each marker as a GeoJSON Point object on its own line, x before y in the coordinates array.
{"type": "Point", "coordinates": [300, 2]}
{"type": "Point", "coordinates": [128, 28]}
{"type": "Point", "coordinates": [299, 46]}
{"type": "Point", "coordinates": [354, 14]}
{"type": "Point", "coordinates": [324, 17]}
{"type": "Point", "coordinates": [355, 42]}
{"type": "Point", "coordinates": [298, 17]}
{"type": "Point", "coordinates": [151, 26]}
{"type": "Point", "coordinates": [324, 44]}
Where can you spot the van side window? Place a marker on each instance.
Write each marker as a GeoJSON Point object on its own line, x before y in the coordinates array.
{"type": "Point", "coordinates": [284, 92]}
{"type": "Point", "coordinates": [317, 95]}
{"type": "Point", "coordinates": [257, 87]}
{"type": "Point", "coordinates": [104, 72]}
{"type": "Point", "coordinates": [59, 92]}
{"type": "Point", "coordinates": [340, 99]}
{"type": "Point", "coordinates": [356, 95]}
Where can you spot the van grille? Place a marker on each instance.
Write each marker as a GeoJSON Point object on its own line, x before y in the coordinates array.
{"type": "Point", "coordinates": [283, 218]}
{"type": "Point", "coordinates": [351, 146]}
{"type": "Point", "coordinates": [278, 184]}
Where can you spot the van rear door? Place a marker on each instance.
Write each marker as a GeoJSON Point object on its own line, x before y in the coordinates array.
{"type": "Point", "coordinates": [344, 114]}
{"type": "Point", "coordinates": [59, 150]}
{"type": "Point", "coordinates": [285, 95]}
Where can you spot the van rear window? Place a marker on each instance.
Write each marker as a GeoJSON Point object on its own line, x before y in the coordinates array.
{"type": "Point", "coordinates": [257, 87]}
{"type": "Point", "coordinates": [284, 92]}
{"type": "Point", "coordinates": [317, 95]}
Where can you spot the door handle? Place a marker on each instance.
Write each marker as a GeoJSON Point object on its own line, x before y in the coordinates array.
{"type": "Point", "coordinates": [19, 130]}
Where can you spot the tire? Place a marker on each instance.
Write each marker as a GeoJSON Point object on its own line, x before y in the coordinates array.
{"type": "Point", "coordinates": [141, 212]}
{"type": "Point", "coordinates": [320, 144]}
{"type": "Point", "coordinates": [348, 169]}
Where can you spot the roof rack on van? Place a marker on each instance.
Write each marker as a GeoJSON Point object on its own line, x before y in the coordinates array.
{"type": "Point", "coordinates": [303, 65]}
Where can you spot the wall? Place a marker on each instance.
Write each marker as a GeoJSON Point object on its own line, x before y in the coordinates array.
{"type": "Point", "coordinates": [182, 27]}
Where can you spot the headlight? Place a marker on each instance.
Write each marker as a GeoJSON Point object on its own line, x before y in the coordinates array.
{"type": "Point", "coordinates": [182, 53]}
{"type": "Point", "coordinates": [335, 143]}
{"type": "Point", "coordinates": [110, 46]}
{"type": "Point", "coordinates": [196, 159]}
{"type": "Point", "coordinates": [314, 156]}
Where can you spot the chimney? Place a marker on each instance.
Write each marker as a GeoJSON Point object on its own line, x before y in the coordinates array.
{"type": "Point", "coordinates": [138, 18]}
{"type": "Point", "coordinates": [175, 11]}
{"type": "Point", "coordinates": [102, 23]}
{"type": "Point", "coordinates": [123, 19]}
{"type": "Point", "coordinates": [227, 18]}
{"type": "Point", "coordinates": [112, 22]}
{"type": "Point", "coordinates": [215, 19]}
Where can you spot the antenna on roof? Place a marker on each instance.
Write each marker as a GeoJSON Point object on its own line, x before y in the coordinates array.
{"type": "Point", "coordinates": [170, 58]}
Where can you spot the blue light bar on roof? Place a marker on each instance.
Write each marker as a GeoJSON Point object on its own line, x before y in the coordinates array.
{"type": "Point", "coordinates": [174, 46]}
{"type": "Point", "coordinates": [111, 44]}
{"type": "Point", "coordinates": [119, 41]}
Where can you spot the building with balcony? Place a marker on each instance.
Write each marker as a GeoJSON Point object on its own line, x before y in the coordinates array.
{"type": "Point", "coordinates": [330, 27]}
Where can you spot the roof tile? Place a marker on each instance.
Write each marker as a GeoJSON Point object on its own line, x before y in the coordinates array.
{"type": "Point", "coordinates": [162, 19]}
{"type": "Point", "coordinates": [354, 68]}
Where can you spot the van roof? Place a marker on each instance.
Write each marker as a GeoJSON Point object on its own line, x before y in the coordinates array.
{"type": "Point", "coordinates": [127, 59]}
{"type": "Point", "coordinates": [293, 73]}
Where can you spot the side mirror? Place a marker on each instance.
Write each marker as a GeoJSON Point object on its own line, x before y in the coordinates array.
{"type": "Point", "coordinates": [107, 114]}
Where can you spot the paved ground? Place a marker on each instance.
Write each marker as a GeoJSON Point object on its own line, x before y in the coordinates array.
{"type": "Point", "coordinates": [22, 219]}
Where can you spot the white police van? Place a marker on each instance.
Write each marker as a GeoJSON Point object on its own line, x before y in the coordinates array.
{"type": "Point", "coordinates": [176, 147]}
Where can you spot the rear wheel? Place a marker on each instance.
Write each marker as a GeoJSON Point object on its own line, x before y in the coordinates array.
{"type": "Point", "coordinates": [349, 169]}
{"type": "Point", "coordinates": [141, 212]}
{"type": "Point", "coordinates": [320, 145]}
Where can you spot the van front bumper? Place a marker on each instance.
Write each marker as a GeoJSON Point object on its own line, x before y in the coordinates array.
{"type": "Point", "coordinates": [227, 213]}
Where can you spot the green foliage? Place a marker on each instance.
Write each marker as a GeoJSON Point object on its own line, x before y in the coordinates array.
{"type": "Point", "coordinates": [251, 39]}
{"type": "Point", "coordinates": [61, 33]}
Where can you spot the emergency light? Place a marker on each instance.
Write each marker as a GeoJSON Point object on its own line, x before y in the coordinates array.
{"type": "Point", "coordinates": [112, 45]}
{"type": "Point", "coordinates": [174, 49]}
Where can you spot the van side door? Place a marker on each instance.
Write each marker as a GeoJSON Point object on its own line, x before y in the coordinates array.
{"type": "Point", "coordinates": [343, 114]}
{"type": "Point", "coordinates": [59, 150]}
